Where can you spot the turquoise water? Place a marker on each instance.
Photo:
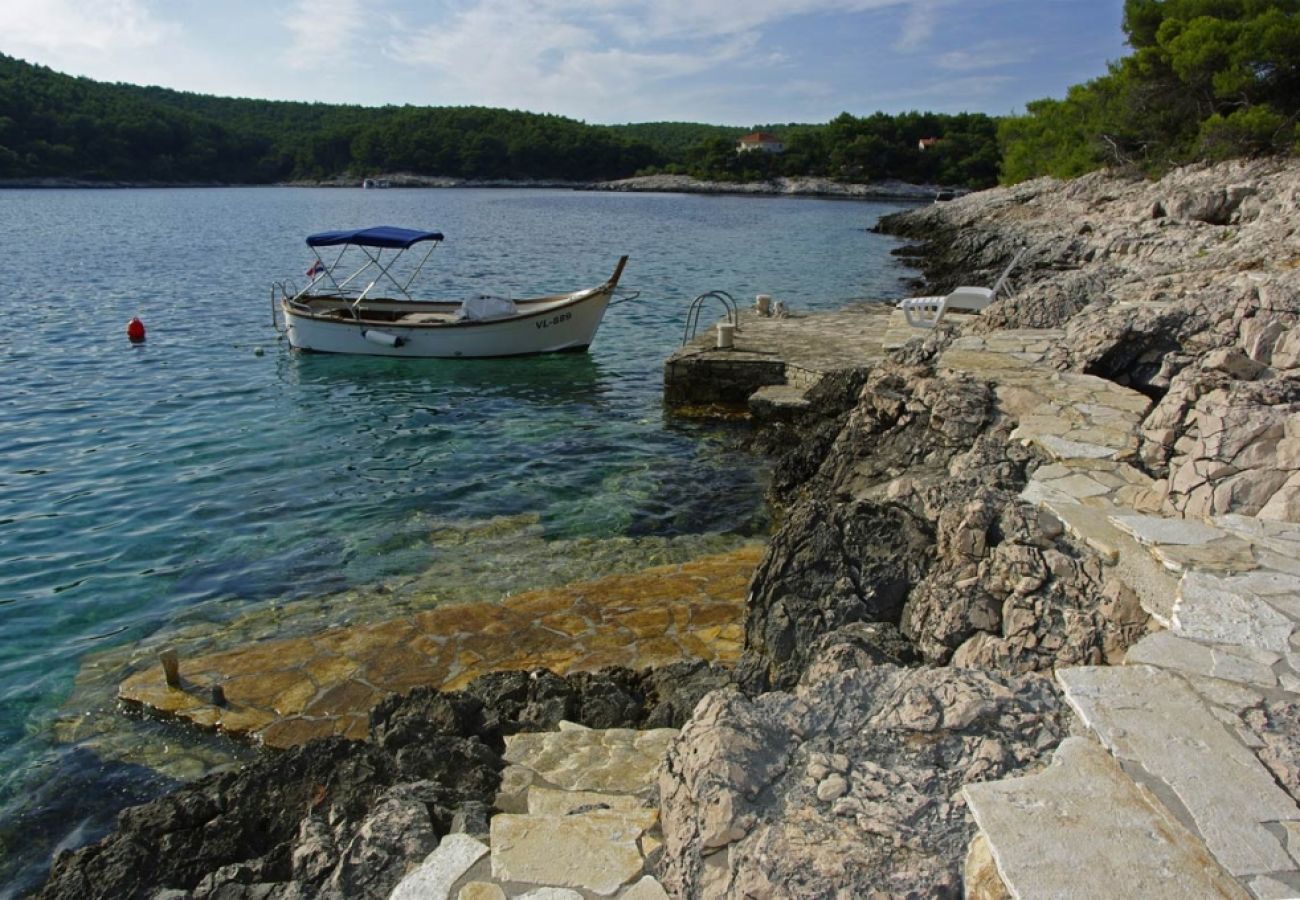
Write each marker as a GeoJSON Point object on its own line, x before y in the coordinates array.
{"type": "Point", "coordinates": [138, 482]}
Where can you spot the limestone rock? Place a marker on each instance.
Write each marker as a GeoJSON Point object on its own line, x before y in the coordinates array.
{"type": "Point", "coordinates": [980, 877]}
{"type": "Point", "coordinates": [438, 874]}
{"type": "Point", "coordinates": [1082, 828]}
{"type": "Point", "coordinates": [593, 851]}
{"type": "Point", "coordinates": [741, 809]}
{"type": "Point", "coordinates": [396, 831]}
{"type": "Point", "coordinates": [337, 817]}
{"type": "Point", "coordinates": [830, 565]}
{"type": "Point", "coordinates": [481, 890]}
{"type": "Point", "coordinates": [1277, 724]}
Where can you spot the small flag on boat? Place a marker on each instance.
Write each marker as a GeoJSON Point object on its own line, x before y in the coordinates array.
{"type": "Point", "coordinates": [315, 270]}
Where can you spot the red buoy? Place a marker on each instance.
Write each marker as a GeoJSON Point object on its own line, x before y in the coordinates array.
{"type": "Point", "coordinates": [135, 330]}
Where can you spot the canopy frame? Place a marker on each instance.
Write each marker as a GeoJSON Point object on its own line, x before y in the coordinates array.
{"type": "Point", "coordinates": [371, 242]}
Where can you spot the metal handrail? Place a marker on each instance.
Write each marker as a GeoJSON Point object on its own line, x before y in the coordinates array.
{"type": "Point", "coordinates": [697, 305]}
{"type": "Point", "coordinates": [288, 291]}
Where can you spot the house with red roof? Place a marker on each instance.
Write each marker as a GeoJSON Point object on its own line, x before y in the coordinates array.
{"type": "Point", "coordinates": [760, 140]}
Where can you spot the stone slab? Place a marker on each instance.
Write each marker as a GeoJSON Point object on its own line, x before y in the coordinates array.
{"type": "Point", "coordinates": [1090, 526]}
{"type": "Point", "coordinates": [550, 801]}
{"type": "Point", "coordinates": [1167, 650]}
{"type": "Point", "coordinates": [648, 888]}
{"type": "Point", "coordinates": [1222, 610]}
{"type": "Point", "coordinates": [1228, 555]}
{"type": "Point", "coordinates": [1082, 829]}
{"type": "Point", "coordinates": [1151, 530]}
{"type": "Point", "coordinates": [612, 761]}
{"type": "Point", "coordinates": [1267, 888]}
{"type": "Point", "coordinates": [597, 852]}
{"type": "Point", "coordinates": [1154, 720]}
{"type": "Point", "coordinates": [1064, 448]}
{"type": "Point", "coordinates": [1281, 537]}
{"type": "Point", "coordinates": [441, 869]}
{"type": "Point", "coordinates": [1079, 486]}
{"type": "Point", "coordinates": [481, 890]}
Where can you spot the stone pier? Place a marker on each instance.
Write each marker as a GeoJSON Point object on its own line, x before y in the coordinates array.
{"type": "Point", "coordinates": [774, 360]}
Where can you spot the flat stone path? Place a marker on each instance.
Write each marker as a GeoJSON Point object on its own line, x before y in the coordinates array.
{"type": "Point", "coordinates": [286, 692]}
{"type": "Point", "coordinates": [1060, 823]}
{"type": "Point", "coordinates": [1197, 710]}
{"type": "Point", "coordinates": [580, 819]}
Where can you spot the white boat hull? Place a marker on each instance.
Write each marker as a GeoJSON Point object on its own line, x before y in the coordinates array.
{"type": "Point", "coordinates": [552, 327]}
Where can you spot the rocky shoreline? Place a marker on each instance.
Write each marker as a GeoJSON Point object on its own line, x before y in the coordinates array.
{"type": "Point", "coordinates": [787, 187]}
{"type": "Point", "coordinates": [677, 184]}
{"type": "Point", "coordinates": [672, 184]}
{"type": "Point", "coordinates": [947, 542]}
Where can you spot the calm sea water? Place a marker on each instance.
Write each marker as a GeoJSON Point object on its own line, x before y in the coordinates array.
{"type": "Point", "coordinates": [139, 482]}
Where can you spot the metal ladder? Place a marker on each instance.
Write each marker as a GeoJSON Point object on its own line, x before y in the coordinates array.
{"type": "Point", "coordinates": [697, 306]}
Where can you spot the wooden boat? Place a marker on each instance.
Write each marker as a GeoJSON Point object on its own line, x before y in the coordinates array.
{"type": "Point", "coordinates": [333, 314]}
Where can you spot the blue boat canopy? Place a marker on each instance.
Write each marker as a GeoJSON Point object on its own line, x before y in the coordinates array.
{"type": "Point", "coordinates": [380, 236]}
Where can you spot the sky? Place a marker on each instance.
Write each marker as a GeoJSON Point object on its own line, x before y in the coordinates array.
{"type": "Point", "coordinates": [731, 62]}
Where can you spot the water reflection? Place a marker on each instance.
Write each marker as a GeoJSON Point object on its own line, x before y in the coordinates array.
{"type": "Point", "coordinates": [554, 378]}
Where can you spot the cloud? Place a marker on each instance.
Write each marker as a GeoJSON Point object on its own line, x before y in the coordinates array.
{"type": "Point", "coordinates": [599, 58]}
{"type": "Point", "coordinates": [322, 28]}
{"type": "Point", "coordinates": [56, 27]}
{"type": "Point", "coordinates": [984, 55]}
{"type": "Point", "coordinates": [918, 26]}
{"type": "Point", "coordinates": [685, 18]}
{"type": "Point", "coordinates": [539, 56]}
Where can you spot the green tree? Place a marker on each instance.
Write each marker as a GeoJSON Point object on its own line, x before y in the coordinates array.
{"type": "Point", "coordinates": [1206, 79]}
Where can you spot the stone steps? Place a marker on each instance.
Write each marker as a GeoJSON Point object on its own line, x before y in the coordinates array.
{"type": "Point", "coordinates": [1153, 722]}
{"type": "Point", "coordinates": [1170, 794]}
{"type": "Point", "coordinates": [580, 820]}
{"type": "Point", "coordinates": [778, 402]}
{"type": "Point", "coordinates": [1083, 829]}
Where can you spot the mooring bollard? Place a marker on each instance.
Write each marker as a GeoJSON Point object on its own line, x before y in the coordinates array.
{"type": "Point", "coordinates": [171, 664]}
{"type": "Point", "coordinates": [726, 335]}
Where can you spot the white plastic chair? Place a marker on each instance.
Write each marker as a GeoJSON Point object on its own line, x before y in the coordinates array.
{"type": "Point", "coordinates": [927, 312]}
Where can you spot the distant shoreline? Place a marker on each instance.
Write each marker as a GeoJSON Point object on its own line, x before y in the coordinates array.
{"type": "Point", "coordinates": [674, 184]}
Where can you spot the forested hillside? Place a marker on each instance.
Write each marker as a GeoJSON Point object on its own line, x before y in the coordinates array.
{"type": "Point", "coordinates": [53, 125]}
{"type": "Point", "coordinates": [57, 126]}
{"type": "Point", "coordinates": [1207, 79]}
{"type": "Point", "coordinates": [870, 148]}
